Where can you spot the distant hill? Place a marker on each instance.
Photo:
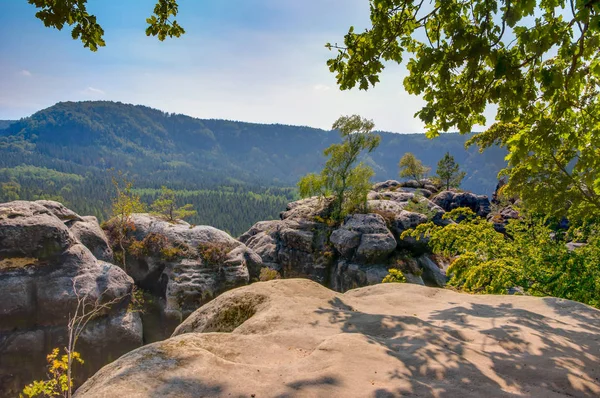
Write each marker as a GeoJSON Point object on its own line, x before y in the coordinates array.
{"type": "Point", "coordinates": [66, 151]}
{"type": "Point", "coordinates": [5, 123]}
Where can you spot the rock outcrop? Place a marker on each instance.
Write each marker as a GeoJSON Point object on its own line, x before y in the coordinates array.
{"type": "Point", "coordinates": [501, 218]}
{"type": "Point", "coordinates": [184, 266]}
{"type": "Point", "coordinates": [361, 250]}
{"type": "Point", "coordinates": [450, 200]}
{"type": "Point", "coordinates": [42, 262]}
{"type": "Point", "coordinates": [292, 338]}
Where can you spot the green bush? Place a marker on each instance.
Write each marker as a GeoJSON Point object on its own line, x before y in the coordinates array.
{"type": "Point", "coordinates": [394, 276]}
{"type": "Point", "coordinates": [531, 256]}
{"type": "Point", "coordinates": [268, 274]}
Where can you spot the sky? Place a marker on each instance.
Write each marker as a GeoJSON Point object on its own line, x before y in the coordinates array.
{"type": "Point", "coordinates": [258, 61]}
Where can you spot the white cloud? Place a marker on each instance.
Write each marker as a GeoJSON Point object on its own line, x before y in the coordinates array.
{"type": "Point", "coordinates": [25, 73]}
{"type": "Point", "coordinates": [93, 90]}
{"type": "Point", "coordinates": [321, 87]}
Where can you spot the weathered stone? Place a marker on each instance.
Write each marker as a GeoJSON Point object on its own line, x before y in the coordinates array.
{"type": "Point", "coordinates": [88, 231]}
{"type": "Point", "coordinates": [41, 263]}
{"type": "Point", "coordinates": [186, 266]}
{"type": "Point", "coordinates": [29, 230]}
{"type": "Point", "coordinates": [433, 275]}
{"type": "Point", "coordinates": [289, 338]}
{"type": "Point", "coordinates": [60, 211]}
{"type": "Point", "coordinates": [450, 200]}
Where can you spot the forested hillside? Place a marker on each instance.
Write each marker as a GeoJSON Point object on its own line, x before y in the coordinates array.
{"type": "Point", "coordinates": [5, 123]}
{"type": "Point", "coordinates": [234, 173]}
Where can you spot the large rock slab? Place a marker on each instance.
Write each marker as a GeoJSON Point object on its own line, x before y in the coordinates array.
{"type": "Point", "coordinates": [184, 266]}
{"type": "Point", "coordinates": [41, 263]}
{"type": "Point", "coordinates": [292, 338]}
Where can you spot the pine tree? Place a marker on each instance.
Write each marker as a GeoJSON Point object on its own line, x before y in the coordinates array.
{"type": "Point", "coordinates": [448, 172]}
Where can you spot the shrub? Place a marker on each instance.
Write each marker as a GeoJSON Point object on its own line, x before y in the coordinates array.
{"type": "Point", "coordinates": [394, 276]}
{"type": "Point", "coordinates": [532, 256]}
{"type": "Point", "coordinates": [58, 383]}
{"type": "Point", "coordinates": [268, 274]}
{"type": "Point", "coordinates": [214, 253]}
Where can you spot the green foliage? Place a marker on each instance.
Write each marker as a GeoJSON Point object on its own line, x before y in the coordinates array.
{"type": "Point", "coordinates": [448, 172]}
{"type": "Point", "coordinates": [536, 62]}
{"type": "Point", "coordinates": [268, 274]}
{"type": "Point", "coordinates": [58, 13]}
{"type": "Point", "coordinates": [532, 256]}
{"type": "Point", "coordinates": [58, 383]}
{"type": "Point", "coordinates": [346, 181]}
{"type": "Point", "coordinates": [9, 191]}
{"type": "Point", "coordinates": [165, 206]}
{"type": "Point", "coordinates": [214, 253]}
{"type": "Point", "coordinates": [124, 205]}
{"type": "Point", "coordinates": [138, 300]}
{"type": "Point", "coordinates": [411, 167]}
{"type": "Point", "coordinates": [237, 173]}
{"type": "Point", "coordinates": [418, 204]}
{"type": "Point", "coordinates": [394, 276]}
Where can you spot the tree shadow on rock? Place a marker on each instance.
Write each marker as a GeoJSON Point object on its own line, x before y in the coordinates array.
{"type": "Point", "coordinates": [454, 352]}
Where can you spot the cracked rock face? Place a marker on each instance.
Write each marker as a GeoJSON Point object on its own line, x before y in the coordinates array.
{"type": "Point", "coordinates": [41, 261]}
{"type": "Point", "coordinates": [356, 253]}
{"type": "Point", "coordinates": [295, 338]}
{"type": "Point", "coordinates": [186, 266]}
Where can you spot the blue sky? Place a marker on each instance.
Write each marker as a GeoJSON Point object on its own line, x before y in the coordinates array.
{"type": "Point", "coordinates": [250, 60]}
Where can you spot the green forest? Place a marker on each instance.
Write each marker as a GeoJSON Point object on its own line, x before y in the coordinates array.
{"type": "Point", "coordinates": [234, 173]}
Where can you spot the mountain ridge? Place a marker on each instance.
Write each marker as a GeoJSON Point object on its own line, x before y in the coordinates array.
{"type": "Point", "coordinates": [90, 138]}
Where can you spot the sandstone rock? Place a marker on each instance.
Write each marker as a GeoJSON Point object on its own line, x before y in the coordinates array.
{"type": "Point", "coordinates": [185, 266]}
{"type": "Point", "coordinates": [307, 209]}
{"type": "Point", "coordinates": [450, 200]}
{"type": "Point", "coordinates": [88, 231]}
{"type": "Point", "coordinates": [364, 237]}
{"type": "Point", "coordinates": [296, 247]}
{"type": "Point", "coordinates": [289, 338]}
{"type": "Point", "coordinates": [40, 264]}
{"type": "Point", "coordinates": [59, 210]}
{"type": "Point", "coordinates": [30, 230]}
{"type": "Point", "coordinates": [346, 276]}
{"type": "Point", "coordinates": [433, 275]}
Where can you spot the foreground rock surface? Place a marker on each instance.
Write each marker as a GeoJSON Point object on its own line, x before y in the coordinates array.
{"type": "Point", "coordinates": [292, 338]}
{"type": "Point", "coordinates": [41, 260]}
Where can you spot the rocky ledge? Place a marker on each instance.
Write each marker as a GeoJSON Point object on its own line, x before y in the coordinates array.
{"type": "Point", "coordinates": [43, 258]}
{"type": "Point", "coordinates": [288, 338]}
{"type": "Point", "coordinates": [361, 250]}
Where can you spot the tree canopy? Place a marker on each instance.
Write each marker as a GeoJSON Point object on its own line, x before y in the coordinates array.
{"type": "Point", "coordinates": [342, 178]}
{"type": "Point", "coordinates": [536, 62]}
{"type": "Point", "coordinates": [58, 13]}
{"type": "Point", "coordinates": [411, 167]}
{"type": "Point", "coordinates": [448, 172]}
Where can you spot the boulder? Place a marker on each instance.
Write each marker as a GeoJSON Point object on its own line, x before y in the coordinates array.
{"type": "Point", "coordinates": [88, 231]}
{"type": "Point", "coordinates": [364, 238]}
{"type": "Point", "coordinates": [184, 266]}
{"type": "Point", "coordinates": [296, 246]}
{"type": "Point", "coordinates": [295, 338]}
{"type": "Point", "coordinates": [432, 275]}
{"type": "Point", "coordinates": [42, 266]}
{"type": "Point", "coordinates": [356, 253]}
{"type": "Point", "coordinates": [450, 200]}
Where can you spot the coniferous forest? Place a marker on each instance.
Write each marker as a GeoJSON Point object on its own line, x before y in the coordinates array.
{"type": "Point", "coordinates": [233, 173]}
